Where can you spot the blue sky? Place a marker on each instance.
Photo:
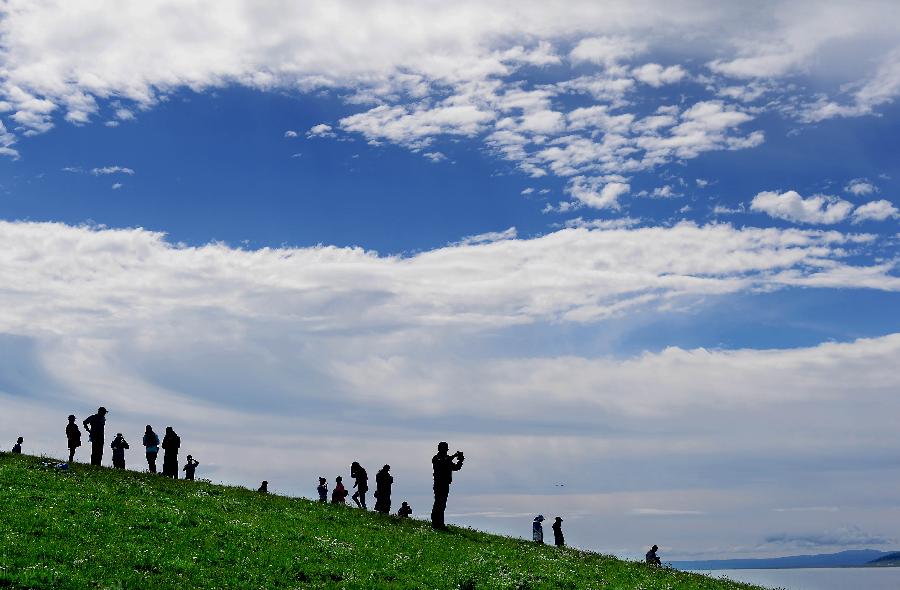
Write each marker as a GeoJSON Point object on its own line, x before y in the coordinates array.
{"type": "Point", "coordinates": [571, 241]}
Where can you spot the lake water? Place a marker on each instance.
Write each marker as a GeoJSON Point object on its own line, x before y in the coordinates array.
{"type": "Point", "coordinates": [852, 578]}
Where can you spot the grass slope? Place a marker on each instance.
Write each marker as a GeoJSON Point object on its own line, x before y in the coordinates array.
{"type": "Point", "coordinates": [102, 528]}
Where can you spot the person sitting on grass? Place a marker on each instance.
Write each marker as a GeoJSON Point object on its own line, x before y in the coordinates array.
{"type": "Point", "coordinates": [323, 490]}
{"type": "Point", "coordinates": [405, 510]}
{"type": "Point", "coordinates": [118, 446]}
{"type": "Point", "coordinates": [339, 493]}
{"type": "Point", "coordinates": [263, 487]}
{"type": "Point", "coordinates": [73, 436]}
{"type": "Point", "coordinates": [652, 558]}
{"type": "Point", "coordinates": [17, 448]}
{"type": "Point", "coordinates": [189, 468]}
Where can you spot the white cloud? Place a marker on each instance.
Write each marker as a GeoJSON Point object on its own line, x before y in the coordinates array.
{"type": "Point", "coordinates": [488, 237]}
{"type": "Point", "coordinates": [664, 192]}
{"type": "Point", "coordinates": [527, 191]}
{"type": "Point", "coordinates": [117, 185]}
{"type": "Point", "coordinates": [598, 192]}
{"type": "Point", "coordinates": [790, 206]}
{"type": "Point", "coordinates": [320, 130]}
{"type": "Point", "coordinates": [604, 50]}
{"type": "Point", "coordinates": [656, 75]}
{"type": "Point", "coordinates": [7, 140]}
{"type": "Point", "coordinates": [105, 170]}
{"type": "Point", "coordinates": [875, 211]}
{"type": "Point", "coordinates": [435, 157]}
{"type": "Point", "coordinates": [416, 127]}
{"type": "Point", "coordinates": [860, 187]}
{"type": "Point", "coordinates": [290, 134]}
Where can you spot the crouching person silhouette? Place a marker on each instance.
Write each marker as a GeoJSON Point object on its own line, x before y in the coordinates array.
{"type": "Point", "coordinates": [652, 558]}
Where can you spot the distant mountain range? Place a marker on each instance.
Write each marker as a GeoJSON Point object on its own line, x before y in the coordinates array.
{"type": "Point", "coordinates": [889, 560]}
{"type": "Point", "coordinates": [851, 558]}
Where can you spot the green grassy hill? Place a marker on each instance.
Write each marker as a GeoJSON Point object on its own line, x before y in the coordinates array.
{"type": "Point", "coordinates": [101, 528]}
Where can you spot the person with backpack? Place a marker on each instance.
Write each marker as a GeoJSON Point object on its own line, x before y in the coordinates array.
{"type": "Point", "coordinates": [118, 446]}
{"type": "Point", "coordinates": [170, 444]}
{"type": "Point", "coordinates": [151, 444]}
{"type": "Point", "coordinates": [73, 437]}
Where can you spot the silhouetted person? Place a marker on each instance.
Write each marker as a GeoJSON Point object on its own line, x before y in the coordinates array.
{"type": "Point", "coordinates": [537, 529]}
{"type": "Point", "coordinates": [444, 466]}
{"type": "Point", "coordinates": [95, 425]}
{"type": "Point", "coordinates": [361, 483]}
{"type": "Point", "coordinates": [339, 493]}
{"type": "Point", "coordinates": [383, 481]}
{"type": "Point", "coordinates": [263, 487]}
{"type": "Point", "coordinates": [322, 488]}
{"type": "Point", "coordinates": [73, 437]}
{"type": "Point", "coordinates": [190, 468]}
{"type": "Point", "coordinates": [17, 448]}
{"type": "Point", "coordinates": [118, 446]}
{"type": "Point", "coordinates": [558, 538]}
{"type": "Point", "coordinates": [652, 558]}
{"type": "Point", "coordinates": [405, 511]}
{"type": "Point", "coordinates": [170, 444]}
{"type": "Point", "coordinates": [151, 445]}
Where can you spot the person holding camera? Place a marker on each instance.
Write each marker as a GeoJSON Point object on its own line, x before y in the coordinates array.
{"type": "Point", "coordinates": [444, 466]}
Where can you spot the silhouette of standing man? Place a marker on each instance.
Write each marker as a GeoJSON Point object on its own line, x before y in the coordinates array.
{"type": "Point", "coordinates": [94, 426]}
{"type": "Point", "coordinates": [118, 446]}
{"type": "Point", "coordinates": [170, 444]}
{"type": "Point", "coordinates": [443, 476]}
{"type": "Point", "coordinates": [73, 436]}
{"type": "Point", "coordinates": [383, 482]}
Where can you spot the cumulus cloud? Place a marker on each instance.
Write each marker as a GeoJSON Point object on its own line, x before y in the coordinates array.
{"type": "Point", "coordinates": [875, 211]}
{"type": "Point", "coordinates": [604, 50]}
{"type": "Point", "coordinates": [598, 192]}
{"type": "Point", "coordinates": [790, 206]}
{"type": "Point", "coordinates": [656, 75]}
{"type": "Point", "coordinates": [320, 130]}
{"type": "Point", "coordinates": [290, 134]}
{"type": "Point", "coordinates": [860, 187]}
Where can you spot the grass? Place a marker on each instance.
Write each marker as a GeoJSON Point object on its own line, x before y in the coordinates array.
{"type": "Point", "coordinates": [100, 528]}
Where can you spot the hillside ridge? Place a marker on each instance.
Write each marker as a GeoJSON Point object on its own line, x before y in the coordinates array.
{"type": "Point", "coordinates": [94, 527]}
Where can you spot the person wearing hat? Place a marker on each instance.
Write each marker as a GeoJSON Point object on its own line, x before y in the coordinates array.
{"type": "Point", "coordinates": [73, 437]}
{"type": "Point", "coordinates": [652, 558]}
{"type": "Point", "coordinates": [94, 426]}
{"type": "Point", "coordinates": [405, 510]}
{"type": "Point", "coordinates": [537, 529]}
{"type": "Point", "coordinates": [443, 465]}
{"type": "Point", "coordinates": [558, 539]}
